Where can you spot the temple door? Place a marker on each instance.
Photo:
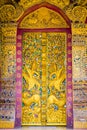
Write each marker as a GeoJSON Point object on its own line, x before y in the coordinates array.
{"type": "Point", "coordinates": [42, 42]}
{"type": "Point", "coordinates": [44, 78]}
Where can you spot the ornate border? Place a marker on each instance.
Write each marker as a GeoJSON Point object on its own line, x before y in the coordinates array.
{"type": "Point", "coordinates": [18, 113]}
{"type": "Point", "coordinates": [69, 105]}
{"type": "Point", "coordinates": [47, 5]}
{"type": "Point", "coordinates": [68, 67]}
{"type": "Point", "coordinates": [69, 109]}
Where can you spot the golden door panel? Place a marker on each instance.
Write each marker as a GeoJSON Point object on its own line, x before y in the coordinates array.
{"type": "Point", "coordinates": [31, 73]}
{"type": "Point", "coordinates": [56, 73]}
{"type": "Point", "coordinates": [44, 79]}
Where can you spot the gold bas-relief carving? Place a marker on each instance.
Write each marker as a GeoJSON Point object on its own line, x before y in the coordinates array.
{"type": "Point", "coordinates": [26, 4]}
{"type": "Point", "coordinates": [76, 10]}
{"type": "Point", "coordinates": [60, 3]}
{"type": "Point", "coordinates": [43, 95]}
{"type": "Point", "coordinates": [48, 19]}
{"type": "Point", "coordinates": [31, 73]}
{"type": "Point", "coordinates": [7, 73]}
{"type": "Point", "coordinates": [10, 12]}
{"type": "Point", "coordinates": [7, 12]}
{"type": "Point", "coordinates": [70, 9]}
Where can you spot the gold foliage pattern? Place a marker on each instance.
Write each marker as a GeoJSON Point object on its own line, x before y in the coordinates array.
{"type": "Point", "coordinates": [56, 78]}
{"type": "Point", "coordinates": [7, 75]}
{"type": "Point", "coordinates": [26, 4]}
{"type": "Point", "coordinates": [8, 53]}
{"type": "Point", "coordinates": [31, 74]}
{"type": "Point", "coordinates": [48, 19]}
{"type": "Point", "coordinates": [43, 96]}
{"type": "Point", "coordinates": [10, 13]}
{"type": "Point", "coordinates": [6, 12]}
{"type": "Point", "coordinates": [76, 10]}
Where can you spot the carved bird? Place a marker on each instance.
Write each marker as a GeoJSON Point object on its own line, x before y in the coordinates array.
{"type": "Point", "coordinates": [28, 101]}
{"type": "Point", "coordinates": [59, 102]}
{"type": "Point", "coordinates": [59, 78]}
{"type": "Point", "coordinates": [30, 77]}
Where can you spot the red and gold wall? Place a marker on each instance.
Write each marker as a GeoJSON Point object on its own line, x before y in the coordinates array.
{"type": "Point", "coordinates": [29, 16]}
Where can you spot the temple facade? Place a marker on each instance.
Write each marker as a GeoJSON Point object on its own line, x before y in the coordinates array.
{"type": "Point", "coordinates": [43, 63]}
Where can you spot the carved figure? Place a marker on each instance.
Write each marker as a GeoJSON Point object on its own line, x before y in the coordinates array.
{"type": "Point", "coordinates": [28, 75]}
{"type": "Point", "coordinates": [60, 77]}
{"type": "Point", "coordinates": [59, 102]}
{"type": "Point", "coordinates": [28, 101]}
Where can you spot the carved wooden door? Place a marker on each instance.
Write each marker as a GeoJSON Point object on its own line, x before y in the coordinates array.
{"type": "Point", "coordinates": [44, 78]}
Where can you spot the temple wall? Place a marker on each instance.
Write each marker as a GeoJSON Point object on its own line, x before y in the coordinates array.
{"type": "Point", "coordinates": [8, 74]}
{"type": "Point", "coordinates": [79, 63]}
{"type": "Point", "coordinates": [8, 35]}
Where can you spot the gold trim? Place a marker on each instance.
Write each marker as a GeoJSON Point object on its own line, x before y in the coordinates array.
{"type": "Point", "coordinates": [6, 124]}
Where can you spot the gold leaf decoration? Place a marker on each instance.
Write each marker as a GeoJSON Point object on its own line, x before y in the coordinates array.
{"type": "Point", "coordinates": [48, 19]}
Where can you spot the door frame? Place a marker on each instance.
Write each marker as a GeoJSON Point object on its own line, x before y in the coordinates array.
{"type": "Point", "coordinates": [69, 87]}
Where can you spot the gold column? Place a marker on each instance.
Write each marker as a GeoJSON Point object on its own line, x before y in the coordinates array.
{"type": "Point", "coordinates": [7, 65]}
{"type": "Point", "coordinates": [44, 87]}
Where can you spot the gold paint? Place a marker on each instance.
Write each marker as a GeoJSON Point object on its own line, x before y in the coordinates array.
{"type": "Point", "coordinates": [44, 111]}
{"type": "Point", "coordinates": [6, 124]}
{"type": "Point", "coordinates": [56, 77]}
{"type": "Point", "coordinates": [31, 73]}
{"type": "Point", "coordinates": [7, 12]}
{"type": "Point", "coordinates": [8, 68]}
{"type": "Point", "coordinates": [26, 4]}
{"type": "Point", "coordinates": [9, 52]}
{"type": "Point", "coordinates": [79, 14]}
{"type": "Point", "coordinates": [76, 11]}
{"type": "Point", "coordinates": [79, 29]}
{"type": "Point", "coordinates": [48, 19]}
{"type": "Point", "coordinates": [80, 125]}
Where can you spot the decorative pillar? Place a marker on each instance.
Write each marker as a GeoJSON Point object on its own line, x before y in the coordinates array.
{"type": "Point", "coordinates": [8, 74]}
{"type": "Point", "coordinates": [79, 62]}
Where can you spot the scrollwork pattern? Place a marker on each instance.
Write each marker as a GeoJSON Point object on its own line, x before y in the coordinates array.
{"type": "Point", "coordinates": [56, 78]}
{"type": "Point", "coordinates": [38, 91]}
{"type": "Point", "coordinates": [75, 10]}
{"type": "Point", "coordinates": [7, 12]}
{"type": "Point", "coordinates": [48, 19]}
{"type": "Point", "coordinates": [31, 73]}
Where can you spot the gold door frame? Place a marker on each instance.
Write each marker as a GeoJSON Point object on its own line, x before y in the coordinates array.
{"type": "Point", "coordinates": [22, 28]}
